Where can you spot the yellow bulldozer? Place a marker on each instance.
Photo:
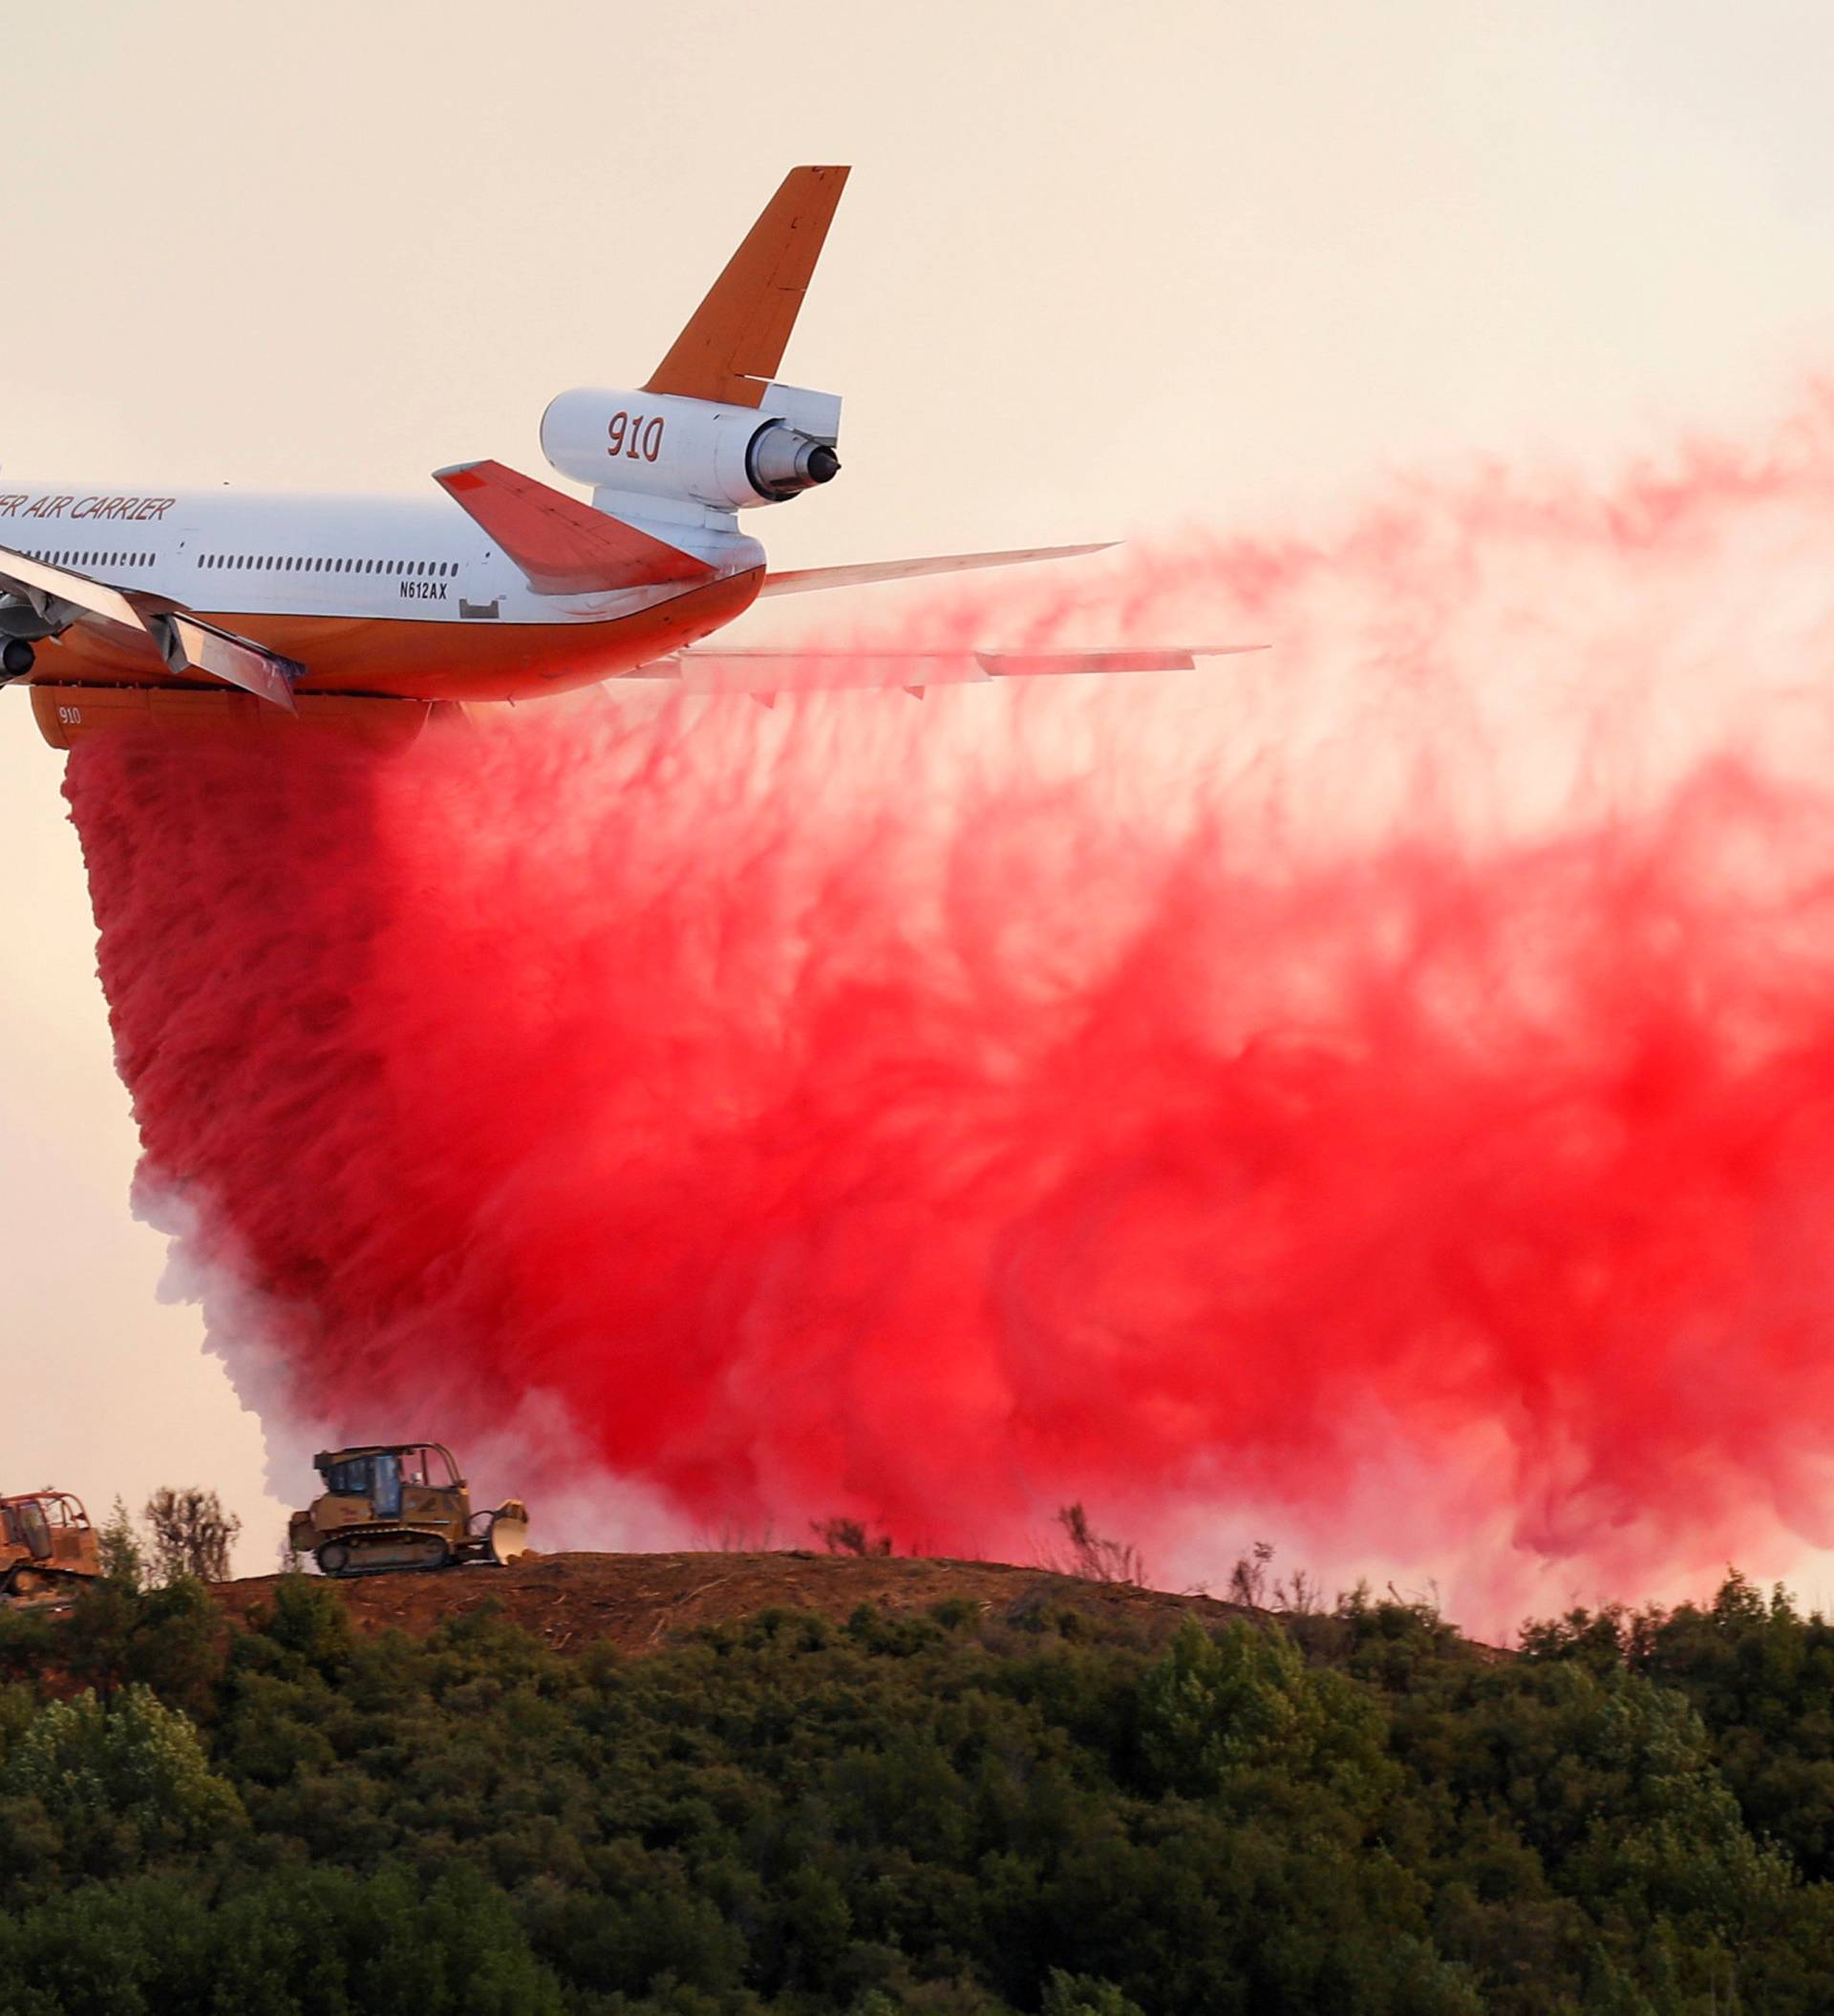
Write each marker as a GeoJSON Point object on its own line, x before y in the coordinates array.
{"type": "Point", "coordinates": [48, 1548]}
{"type": "Point", "coordinates": [388, 1506]}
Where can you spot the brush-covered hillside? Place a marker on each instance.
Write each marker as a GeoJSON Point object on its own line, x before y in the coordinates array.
{"type": "Point", "coordinates": [718, 1786]}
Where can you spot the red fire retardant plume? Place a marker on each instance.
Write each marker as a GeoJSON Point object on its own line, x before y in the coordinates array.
{"type": "Point", "coordinates": [1380, 1093]}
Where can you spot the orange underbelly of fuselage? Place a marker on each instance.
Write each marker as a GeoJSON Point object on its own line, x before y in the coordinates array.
{"type": "Point", "coordinates": [471, 658]}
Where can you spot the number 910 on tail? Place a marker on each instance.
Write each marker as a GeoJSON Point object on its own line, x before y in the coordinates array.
{"type": "Point", "coordinates": [635, 447]}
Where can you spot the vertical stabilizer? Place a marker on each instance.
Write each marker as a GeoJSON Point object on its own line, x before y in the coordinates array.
{"type": "Point", "coordinates": [731, 349]}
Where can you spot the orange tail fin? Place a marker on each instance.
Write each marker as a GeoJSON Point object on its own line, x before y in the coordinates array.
{"type": "Point", "coordinates": [735, 342]}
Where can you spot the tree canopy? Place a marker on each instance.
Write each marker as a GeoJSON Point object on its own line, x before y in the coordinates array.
{"type": "Point", "coordinates": [960, 1813]}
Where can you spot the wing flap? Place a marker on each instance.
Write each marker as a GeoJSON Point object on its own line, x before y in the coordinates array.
{"type": "Point", "coordinates": [562, 547]}
{"type": "Point", "coordinates": [766, 670]}
{"type": "Point", "coordinates": [200, 647]}
{"type": "Point", "coordinates": [186, 642]}
{"type": "Point", "coordinates": [1158, 658]}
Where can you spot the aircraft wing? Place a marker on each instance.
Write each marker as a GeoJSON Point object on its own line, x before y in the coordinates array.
{"type": "Point", "coordinates": [33, 580]}
{"type": "Point", "coordinates": [805, 581]}
{"type": "Point", "coordinates": [187, 643]}
{"type": "Point", "coordinates": [764, 673]}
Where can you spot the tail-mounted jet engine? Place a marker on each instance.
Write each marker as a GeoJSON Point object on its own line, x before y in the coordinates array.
{"type": "Point", "coordinates": [692, 451]}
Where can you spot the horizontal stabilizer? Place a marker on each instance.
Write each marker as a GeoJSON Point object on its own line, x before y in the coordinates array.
{"type": "Point", "coordinates": [562, 547]}
{"type": "Point", "coordinates": [805, 581]}
{"type": "Point", "coordinates": [735, 341]}
{"type": "Point", "coordinates": [781, 670]}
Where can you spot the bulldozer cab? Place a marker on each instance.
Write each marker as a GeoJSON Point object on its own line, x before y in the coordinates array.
{"type": "Point", "coordinates": [408, 1480]}
{"type": "Point", "coordinates": [25, 1526]}
{"type": "Point", "coordinates": [46, 1541]}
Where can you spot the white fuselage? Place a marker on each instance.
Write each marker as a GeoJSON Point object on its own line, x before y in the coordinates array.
{"type": "Point", "coordinates": [235, 553]}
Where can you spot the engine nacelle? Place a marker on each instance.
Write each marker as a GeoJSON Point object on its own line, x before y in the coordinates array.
{"type": "Point", "coordinates": [725, 458]}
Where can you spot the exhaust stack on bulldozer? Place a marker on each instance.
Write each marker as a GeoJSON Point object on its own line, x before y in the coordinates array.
{"type": "Point", "coordinates": [396, 1506]}
{"type": "Point", "coordinates": [48, 1548]}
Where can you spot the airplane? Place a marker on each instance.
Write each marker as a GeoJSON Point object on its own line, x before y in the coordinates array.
{"type": "Point", "coordinates": [212, 608]}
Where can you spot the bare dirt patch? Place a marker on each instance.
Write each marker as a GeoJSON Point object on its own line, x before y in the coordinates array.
{"type": "Point", "coordinates": [642, 1603]}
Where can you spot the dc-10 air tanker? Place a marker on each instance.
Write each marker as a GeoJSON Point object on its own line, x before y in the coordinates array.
{"type": "Point", "coordinates": [218, 607]}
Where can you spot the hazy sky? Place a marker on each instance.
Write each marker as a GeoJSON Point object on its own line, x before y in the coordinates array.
{"type": "Point", "coordinates": [1099, 271]}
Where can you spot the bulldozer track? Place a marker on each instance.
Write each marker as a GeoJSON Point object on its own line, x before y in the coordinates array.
{"type": "Point", "coordinates": [46, 1588]}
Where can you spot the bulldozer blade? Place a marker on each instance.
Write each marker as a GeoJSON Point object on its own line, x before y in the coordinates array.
{"type": "Point", "coordinates": [508, 1537]}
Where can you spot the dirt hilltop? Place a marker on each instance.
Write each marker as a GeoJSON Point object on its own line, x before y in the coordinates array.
{"type": "Point", "coordinates": [642, 1603]}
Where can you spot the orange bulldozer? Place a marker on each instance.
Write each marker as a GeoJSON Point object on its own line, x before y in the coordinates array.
{"type": "Point", "coordinates": [48, 1548]}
